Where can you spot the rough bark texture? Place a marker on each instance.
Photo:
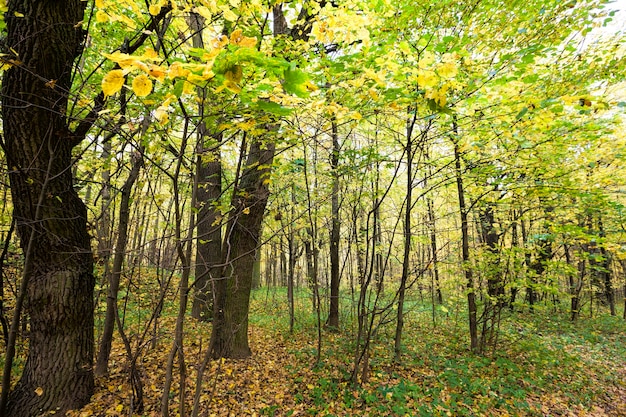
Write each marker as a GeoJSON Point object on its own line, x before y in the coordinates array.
{"type": "Point", "coordinates": [232, 290]}
{"type": "Point", "coordinates": [208, 193]}
{"type": "Point", "coordinates": [209, 247]}
{"type": "Point", "coordinates": [39, 144]}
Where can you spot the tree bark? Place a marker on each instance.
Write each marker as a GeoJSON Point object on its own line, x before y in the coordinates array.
{"type": "Point", "coordinates": [104, 351]}
{"type": "Point", "coordinates": [333, 312]}
{"type": "Point", "coordinates": [58, 373]}
{"type": "Point", "coordinates": [407, 235]}
{"type": "Point", "coordinates": [229, 338]}
{"type": "Point", "coordinates": [208, 193]}
{"type": "Point", "coordinates": [467, 269]}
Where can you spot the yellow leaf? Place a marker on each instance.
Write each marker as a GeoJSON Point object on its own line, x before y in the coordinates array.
{"type": "Point", "coordinates": [230, 86]}
{"type": "Point", "coordinates": [142, 85]}
{"type": "Point", "coordinates": [18, 14]}
{"type": "Point", "coordinates": [235, 74]}
{"type": "Point", "coordinates": [157, 72]}
{"type": "Point", "coordinates": [101, 17]}
{"type": "Point", "coordinates": [154, 9]}
{"type": "Point", "coordinates": [427, 79]}
{"type": "Point", "coordinates": [220, 42]}
{"type": "Point", "coordinates": [447, 70]}
{"type": "Point", "coordinates": [426, 58]}
{"type": "Point", "coordinates": [39, 391]}
{"type": "Point", "coordinates": [112, 82]}
{"type": "Point", "coordinates": [176, 70]}
{"type": "Point", "coordinates": [161, 114]}
{"type": "Point", "coordinates": [119, 408]}
{"type": "Point", "coordinates": [238, 38]}
{"type": "Point", "coordinates": [229, 14]}
{"type": "Point", "coordinates": [204, 12]}
{"type": "Point", "coordinates": [438, 95]}
{"type": "Point", "coordinates": [245, 211]}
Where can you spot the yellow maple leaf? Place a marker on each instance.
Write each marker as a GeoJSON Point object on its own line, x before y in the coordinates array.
{"type": "Point", "coordinates": [142, 85]}
{"type": "Point", "coordinates": [112, 82]}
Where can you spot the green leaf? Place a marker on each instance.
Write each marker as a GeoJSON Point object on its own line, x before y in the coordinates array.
{"type": "Point", "coordinates": [529, 79]}
{"type": "Point", "coordinates": [273, 108]}
{"type": "Point", "coordinates": [178, 88]}
{"type": "Point", "coordinates": [294, 82]}
{"type": "Point", "coordinates": [521, 113]}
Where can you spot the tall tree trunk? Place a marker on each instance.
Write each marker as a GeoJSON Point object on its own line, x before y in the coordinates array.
{"type": "Point", "coordinates": [50, 216]}
{"type": "Point", "coordinates": [490, 237]}
{"type": "Point", "coordinates": [605, 270]}
{"type": "Point", "coordinates": [467, 269]}
{"type": "Point", "coordinates": [333, 312]}
{"type": "Point", "coordinates": [102, 362]}
{"type": "Point", "coordinates": [538, 265]}
{"type": "Point", "coordinates": [208, 193]}
{"type": "Point", "coordinates": [229, 338]}
{"type": "Point", "coordinates": [407, 234]}
{"type": "Point", "coordinates": [209, 234]}
{"type": "Point", "coordinates": [623, 263]}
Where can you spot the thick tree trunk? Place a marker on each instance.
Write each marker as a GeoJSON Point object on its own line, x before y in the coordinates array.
{"type": "Point", "coordinates": [209, 247]}
{"type": "Point", "coordinates": [229, 338]}
{"type": "Point", "coordinates": [208, 193]}
{"type": "Point", "coordinates": [58, 374]}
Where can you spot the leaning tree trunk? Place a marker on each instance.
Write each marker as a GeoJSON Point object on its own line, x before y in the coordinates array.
{"type": "Point", "coordinates": [59, 286]}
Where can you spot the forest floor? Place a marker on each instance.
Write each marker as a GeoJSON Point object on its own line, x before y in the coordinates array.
{"type": "Point", "coordinates": [543, 365]}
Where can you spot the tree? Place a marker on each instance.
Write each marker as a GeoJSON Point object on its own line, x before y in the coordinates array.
{"type": "Point", "coordinates": [45, 38]}
{"type": "Point", "coordinates": [229, 338]}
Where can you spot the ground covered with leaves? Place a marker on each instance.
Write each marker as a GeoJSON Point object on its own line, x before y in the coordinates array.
{"type": "Point", "coordinates": [544, 365]}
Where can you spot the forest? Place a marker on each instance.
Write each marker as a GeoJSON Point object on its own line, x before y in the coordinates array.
{"type": "Point", "coordinates": [313, 208]}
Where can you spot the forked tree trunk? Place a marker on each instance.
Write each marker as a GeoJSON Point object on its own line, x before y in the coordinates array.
{"type": "Point", "coordinates": [58, 373]}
